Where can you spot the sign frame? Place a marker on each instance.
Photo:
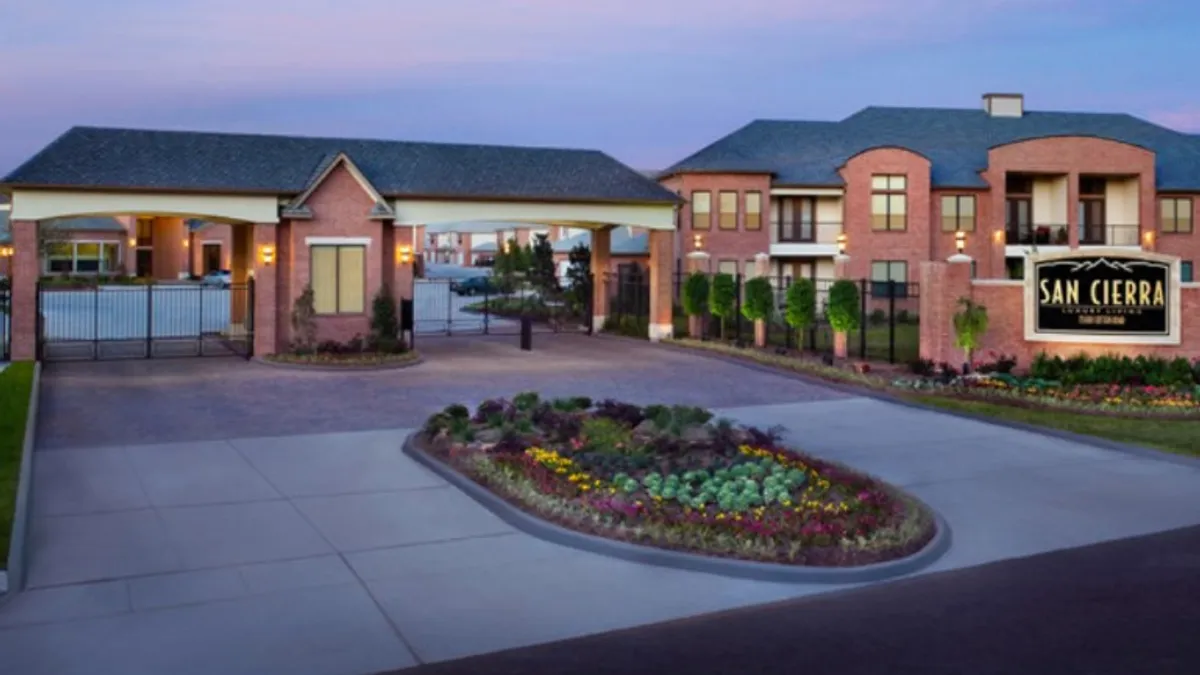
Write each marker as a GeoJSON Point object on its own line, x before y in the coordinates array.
{"type": "Point", "coordinates": [1174, 296]}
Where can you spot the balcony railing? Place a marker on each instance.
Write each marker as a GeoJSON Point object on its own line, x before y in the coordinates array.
{"type": "Point", "coordinates": [1026, 234]}
{"type": "Point", "coordinates": [806, 232]}
{"type": "Point", "coordinates": [1108, 235]}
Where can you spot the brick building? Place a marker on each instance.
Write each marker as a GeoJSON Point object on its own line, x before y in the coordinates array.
{"type": "Point", "coordinates": [901, 184]}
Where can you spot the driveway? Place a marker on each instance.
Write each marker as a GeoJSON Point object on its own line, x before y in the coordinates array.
{"type": "Point", "coordinates": [259, 540]}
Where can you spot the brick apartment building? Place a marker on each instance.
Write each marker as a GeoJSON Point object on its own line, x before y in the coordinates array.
{"type": "Point", "coordinates": [900, 184]}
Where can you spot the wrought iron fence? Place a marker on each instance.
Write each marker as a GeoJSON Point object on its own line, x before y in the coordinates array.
{"type": "Point", "coordinates": [496, 305]}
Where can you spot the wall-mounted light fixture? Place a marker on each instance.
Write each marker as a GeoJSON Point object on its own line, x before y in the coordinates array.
{"type": "Point", "coordinates": [698, 242]}
{"type": "Point", "coordinates": [6, 251]}
{"type": "Point", "coordinates": [266, 253]}
{"type": "Point", "coordinates": [960, 241]}
{"type": "Point", "coordinates": [186, 242]}
{"type": "Point", "coordinates": [841, 244]}
{"type": "Point", "coordinates": [403, 254]}
{"type": "Point", "coordinates": [998, 236]}
{"type": "Point", "coordinates": [1148, 238]}
{"type": "Point", "coordinates": [132, 242]}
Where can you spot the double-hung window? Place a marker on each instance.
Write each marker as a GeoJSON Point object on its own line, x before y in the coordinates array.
{"type": "Point", "coordinates": [338, 277]}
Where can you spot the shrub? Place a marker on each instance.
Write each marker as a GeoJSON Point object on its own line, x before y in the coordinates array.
{"type": "Point", "coordinates": [802, 304]}
{"type": "Point", "coordinates": [922, 367]}
{"type": "Point", "coordinates": [723, 296]}
{"type": "Point", "coordinates": [844, 307]}
{"type": "Point", "coordinates": [877, 317]}
{"type": "Point", "coordinates": [695, 294]}
{"type": "Point", "coordinates": [1113, 369]}
{"type": "Point", "coordinates": [602, 434]}
{"type": "Point", "coordinates": [626, 413]}
{"type": "Point", "coordinates": [760, 299]}
{"type": "Point", "coordinates": [526, 401]}
{"type": "Point", "coordinates": [1002, 364]}
{"type": "Point", "coordinates": [970, 324]}
{"type": "Point", "coordinates": [304, 325]}
{"type": "Point", "coordinates": [385, 323]}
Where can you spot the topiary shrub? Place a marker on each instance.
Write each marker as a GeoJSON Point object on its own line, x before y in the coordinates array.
{"type": "Point", "coordinates": [760, 299]}
{"type": "Point", "coordinates": [802, 304]}
{"type": "Point", "coordinates": [304, 325]}
{"type": "Point", "coordinates": [385, 322]}
{"type": "Point", "coordinates": [843, 311]}
{"type": "Point", "coordinates": [695, 294]}
{"type": "Point", "coordinates": [970, 324]}
{"type": "Point", "coordinates": [722, 298]}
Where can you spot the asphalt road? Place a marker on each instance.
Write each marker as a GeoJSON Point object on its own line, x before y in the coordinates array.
{"type": "Point", "coordinates": [1127, 607]}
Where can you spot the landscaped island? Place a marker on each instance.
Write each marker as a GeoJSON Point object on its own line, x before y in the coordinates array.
{"type": "Point", "coordinates": [671, 477]}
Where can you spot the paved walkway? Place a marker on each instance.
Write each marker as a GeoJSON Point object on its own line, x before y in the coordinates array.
{"type": "Point", "coordinates": [333, 553]}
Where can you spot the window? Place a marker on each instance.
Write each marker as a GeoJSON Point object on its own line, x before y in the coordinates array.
{"type": "Point", "coordinates": [796, 219]}
{"type": "Point", "coordinates": [338, 279]}
{"type": "Point", "coordinates": [883, 271]}
{"type": "Point", "coordinates": [889, 204]}
{"type": "Point", "coordinates": [1176, 215]}
{"type": "Point", "coordinates": [1186, 272]}
{"type": "Point", "coordinates": [727, 267]}
{"type": "Point", "coordinates": [958, 213]}
{"type": "Point", "coordinates": [145, 231]}
{"type": "Point", "coordinates": [83, 257]}
{"type": "Point", "coordinates": [1018, 184]}
{"type": "Point", "coordinates": [1093, 186]}
{"type": "Point", "coordinates": [729, 203]}
{"type": "Point", "coordinates": [753, 210]}
{"type": "Point", "coordinates": [701, 210]}
{"type": "Point", "coordinates": [751, 267]}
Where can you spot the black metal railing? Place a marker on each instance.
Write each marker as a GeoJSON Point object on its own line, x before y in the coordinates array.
{"type": "Point", "coordinates": [496, 305]}
{"type": "Point", "coordinates": [1025, 234]}
{"type": "Point", "coordinates": [810, 232]}
{"type": "Point", "coordinates": [1108, 235]}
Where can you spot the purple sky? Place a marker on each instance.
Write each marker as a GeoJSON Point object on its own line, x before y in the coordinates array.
{"type": "Point", "coordinates": [648, 81]}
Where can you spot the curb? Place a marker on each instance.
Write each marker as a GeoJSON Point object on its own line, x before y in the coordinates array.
{"type": "Point", "coordinates": [864, 392]}
{"type": "Point", "coordinates": [320, 368]}
{"type": "Point", "coordinates": [12, 580]}
{"type": "Point", "coordinates": [691, 562]}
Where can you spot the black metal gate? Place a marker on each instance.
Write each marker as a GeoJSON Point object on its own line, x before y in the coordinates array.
{"type": "Point", "coordinates": [5, 323]}
{"type": "Point", "coordinates": [488, 306]}
{"type": "Point", "coordinates": [87, 320]}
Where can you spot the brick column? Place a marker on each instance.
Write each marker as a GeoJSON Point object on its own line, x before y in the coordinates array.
{"type": "Point", "coordinates": [387, 259]}
{"type": "Point", "coordinates": [170, 254]}
{"type": "Point", "coordinates": [601, 251]}
{"type": "Point", "coordinates": [265, 287]}
{"type": "Point", "coordinates": [403, 275]}
{"type": "Point", "coordinates": [522, 236]}
{"type": "Point", "coordinates": [942, 284]}
{"type": "Point", "coordinates": [285, 295]}
{"type": "Point", "coordinates": [466, 250]}
{"type": "Point", "coordinates": [662, 266]}
{"type": "Point", "coordinates": [841, 270]}
{"type": "Point", "coordinates": [23, 299]}
{"type": "Point", "coordinates": [1072, 210]}
{"type": "Point", "coordinates": [762, 268]}
{"type": "Point", "coordinates": [240, 264]}
{"type": "Point", "coordinates": [697, 261]}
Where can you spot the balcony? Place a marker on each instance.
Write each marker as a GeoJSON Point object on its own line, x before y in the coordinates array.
{"type": "Point", "coordinates": [1108, 235]}
{"type": "Point", "coordinates": [805, 238]}
{"type": "Point", "coordinates": [1028, 234]}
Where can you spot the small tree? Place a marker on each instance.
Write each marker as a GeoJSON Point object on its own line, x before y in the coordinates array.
{"type": "Point", "coordinates": [722, 298]}
{"type": "Point", "coordinates": [304, 325]}
{"type": "Point", "coordinates": [508, 262]}
{"type": "Point", "coordinates": [970, 324]}
{"type": "Point", "coordinates": [695, 294]}
{"type": "Point", "coordinates": [579, 277]}
{"type": "Point", "coordinates": [843, 306]}
{"type": "Point", "coordinates": [760, 299]}
{"type": "Point", "coordinates": [385, 323]}
{"type": "Point", "coordinates": [525, 260]}
{"type": "Point", "coordinates": [802, 304]}
{"type": "Point", "coordinates": [542, 270]}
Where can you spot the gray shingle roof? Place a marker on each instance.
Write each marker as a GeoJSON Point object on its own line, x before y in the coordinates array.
{"type": "Point", "coordinates": [180, 160]}
{"type": "Point", "coordinates": [955, 140]}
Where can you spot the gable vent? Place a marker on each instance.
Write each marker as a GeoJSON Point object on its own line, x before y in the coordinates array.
{"type": "Point", "coordinates": [1004, 105]}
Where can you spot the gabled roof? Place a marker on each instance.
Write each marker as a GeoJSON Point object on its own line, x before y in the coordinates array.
{"type": "Point", "coordinates": [298, 207]}
{"type": "Point", "coordinates": [956, 141]}
{"type": "Point", "coordinates": [90, 157]}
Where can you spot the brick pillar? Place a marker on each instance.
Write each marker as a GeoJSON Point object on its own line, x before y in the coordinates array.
{"type": "Point", "coordinates": [404, 272]}
{"type": "Point", "coordinates": [23, 299]}
{"type": "Point", "coordinates": [662, 269]}
{"type": "Point", "coordinates": [601, 252]}
{"type": "Point", "coordinates": [555, 233]}
{"type": "Point", "coordinates": [1072, 210]}
{"type": "Point", "coordinates": [522, 236]}
{"type": "Point", "coordinates": [942, 284]}
{"type": "Point", "coordinates": [697, 261]}
{"type": "Point", "coordinates": [841, 270]}
{"type": "Point", "coordinates": [240, 264]}
{"type": "Point", "coordinates": [465, 247]}
{"type": "Point", "coordinates": [285, 255]}
{"type": "Point", "coordinates": [170, 254]}
{"type": "Point", "coordinates": [387, 260]}
{"type": "Point", "coordinates": [265, 287]}
{"type": "Point", "coordinates": [762, 268]}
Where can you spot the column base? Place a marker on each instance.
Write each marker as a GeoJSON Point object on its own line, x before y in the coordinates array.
{"type": "Point", "coordinates": [598, 322]}
{"type": "Point", "coordinates": [661, 331]}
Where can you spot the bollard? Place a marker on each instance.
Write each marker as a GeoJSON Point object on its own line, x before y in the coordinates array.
{"type": "Point", "coordinates": [526, 333]}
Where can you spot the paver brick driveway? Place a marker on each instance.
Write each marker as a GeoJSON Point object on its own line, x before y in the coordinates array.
{"type": "Point", "coordinates": [151, 401]}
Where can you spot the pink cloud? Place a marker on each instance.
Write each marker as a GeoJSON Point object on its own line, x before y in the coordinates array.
{"type": "Point", "coordinates": [1181, 119]}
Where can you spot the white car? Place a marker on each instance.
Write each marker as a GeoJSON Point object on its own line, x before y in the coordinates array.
{"type": "Point", "coordinates": [218, 278]}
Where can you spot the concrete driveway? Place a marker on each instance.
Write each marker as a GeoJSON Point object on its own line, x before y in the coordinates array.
{"type": "Point", "coordinates": [319, 551]}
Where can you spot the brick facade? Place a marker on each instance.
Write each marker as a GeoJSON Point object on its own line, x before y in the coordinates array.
{"type": "Point", "coordinates": [739, 244]}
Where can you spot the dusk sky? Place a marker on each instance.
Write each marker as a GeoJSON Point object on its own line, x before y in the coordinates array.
{"type": "Point", "coordinates": [648, 81]}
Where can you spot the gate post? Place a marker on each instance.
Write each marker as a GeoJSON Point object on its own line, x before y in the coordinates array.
{"type": "Point", "coordinates": [268, 268]}
{"type": "Point", "coordinates": [24, 322]}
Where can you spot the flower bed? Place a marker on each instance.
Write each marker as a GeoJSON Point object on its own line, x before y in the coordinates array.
{"type": "Point", "coordinates": [671, 477]}
{"type": "Point", "coordinates": [355, 353]}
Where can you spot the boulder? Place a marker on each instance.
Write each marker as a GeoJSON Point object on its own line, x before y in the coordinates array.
{"type": "Point", "coordinates": [488, 435]}
{"type": "Point", "coordinates": [700, 433]}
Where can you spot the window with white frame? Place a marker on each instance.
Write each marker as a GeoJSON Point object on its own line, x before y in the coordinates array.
{"type": "Point", "coordinates": [885, 271]}
{"type": "Point", "coordinates": [82, 257]}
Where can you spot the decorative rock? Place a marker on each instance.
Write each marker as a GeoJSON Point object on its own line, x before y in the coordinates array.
{"type": "Point", "coordinates": [646, 429]}
{"type": "Point", "coordinates": [489, 435]}
{"type": "Point", "coordinates": [697, 434]}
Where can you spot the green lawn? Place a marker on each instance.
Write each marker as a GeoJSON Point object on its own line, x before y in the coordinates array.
{"type": "Point", "coordinates": [16, 383]}
{"type": "Point", "coordinates": [1178, 436]}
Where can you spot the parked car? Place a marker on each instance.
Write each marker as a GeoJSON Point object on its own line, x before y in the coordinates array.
{"type": "Point", "coordinates": [474, 286]}
{"type": "Point", "coordinates": [218, 278]}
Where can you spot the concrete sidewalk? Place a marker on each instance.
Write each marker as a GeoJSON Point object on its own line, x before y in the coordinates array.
{"type": "Point", "coordinates": [334, 553]}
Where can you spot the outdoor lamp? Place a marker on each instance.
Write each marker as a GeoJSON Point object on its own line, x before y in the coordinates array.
{"type": "Point", "coordinates": [960, 241]}
{"type": "Point", "coordinates": [6, 251]}
{"type": "Point", "coordinates": [698, 241]}
{"type": "Point", "coordinates": [841, 244]}
{"type": "Point", "coordinates": [132, 242]}
{"type": "Point", "coordinates": [403, 254]}
{"type": "Point", "coordinates": [266, 253]}
{"type": "Point", "coordinates": [186, 243]}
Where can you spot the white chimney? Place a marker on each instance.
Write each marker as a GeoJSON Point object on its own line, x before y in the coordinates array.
{"type": "Point", "coordinates": [1004, 105]}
